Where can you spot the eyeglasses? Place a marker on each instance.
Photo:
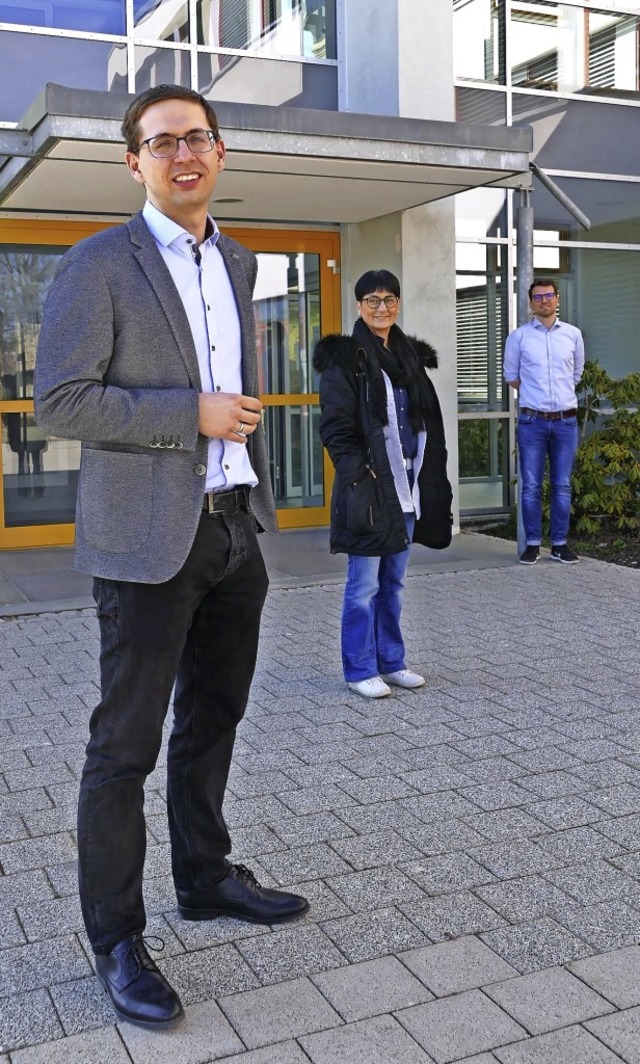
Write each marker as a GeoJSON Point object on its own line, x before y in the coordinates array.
{"type": "Point", "coordinates": [539, 296]}
{"type": "Point", "coordinates": [373, 302]}
{"type": "Point", "coordinates": [165, 145]}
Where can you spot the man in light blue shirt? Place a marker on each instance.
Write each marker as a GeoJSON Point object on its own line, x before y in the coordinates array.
{"type": "Point", "coordinates": [544, 360]}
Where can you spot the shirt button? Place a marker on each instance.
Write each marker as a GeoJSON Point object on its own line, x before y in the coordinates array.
{"type": "Point", "coordinates": [226, 467]}
{"type": "Point", "coordinates": [217, 387]}
{"type": "Point", "coordinates": [213, 347]}
{"type": "Point", "coordinates": [200, 469]}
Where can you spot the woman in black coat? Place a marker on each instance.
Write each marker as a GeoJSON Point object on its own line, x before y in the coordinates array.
{"type": "Point", "coordinates": [382, 426]}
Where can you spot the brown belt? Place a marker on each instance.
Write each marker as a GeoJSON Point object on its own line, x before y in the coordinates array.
{"type": "Point", "coordinates": [549, 415]}
{"type": "Point", "coordinates": [226, 502]}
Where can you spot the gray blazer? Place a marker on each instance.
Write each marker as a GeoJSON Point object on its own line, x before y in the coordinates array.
{"type": "Point", "coordinates": [117, 369]}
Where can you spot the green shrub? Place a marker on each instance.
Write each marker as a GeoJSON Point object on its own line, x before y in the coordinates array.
{"type": "Point", "coordinates": [606, 476]}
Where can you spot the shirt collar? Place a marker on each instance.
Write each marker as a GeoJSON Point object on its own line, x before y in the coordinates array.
{"type": "Point", "coordinates": [537, 324]}
{"type": "Point", "coordinates": [167, 232]}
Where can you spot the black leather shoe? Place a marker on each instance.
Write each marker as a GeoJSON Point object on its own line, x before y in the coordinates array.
{"type": "Point", "coordinates": [239, 894]}
{"type": "Point", "coordinates": [138, 990]}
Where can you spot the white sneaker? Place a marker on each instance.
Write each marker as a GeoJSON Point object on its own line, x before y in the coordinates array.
{"type": "Point", "coordinates": [404, 678]}
{"type": "Point", "coordinates": [374, 687]}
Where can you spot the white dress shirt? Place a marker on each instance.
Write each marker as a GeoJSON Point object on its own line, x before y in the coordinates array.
{"type": "Point", "coordinates": [547, 362]}
{"type": "Point", "coordinates": [210, 306]}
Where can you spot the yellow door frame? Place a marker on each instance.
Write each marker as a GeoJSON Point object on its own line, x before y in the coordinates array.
{"type": "Point", "coordinates": [63, 234]}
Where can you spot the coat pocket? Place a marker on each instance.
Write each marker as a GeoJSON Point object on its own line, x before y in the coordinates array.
{"type": "Point", "coordinates": [364, 512]}
{"type": "Point", "coordinates": [115, 496]}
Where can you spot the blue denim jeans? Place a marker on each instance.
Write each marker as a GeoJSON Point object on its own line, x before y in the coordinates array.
{"type": "Point", "coordinates": [198, 630]}
{"type": "Point", "coordinates": [537, 440]}
{"type": "Point", "coordinates": [371, 638]}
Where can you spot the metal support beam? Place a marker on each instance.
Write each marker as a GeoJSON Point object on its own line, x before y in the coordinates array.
{"type": "Point", "coordinates": [524, 267]}
{"type": "Point", "coordinates": [561, 196]}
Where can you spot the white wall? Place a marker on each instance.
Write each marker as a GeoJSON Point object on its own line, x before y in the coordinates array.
{"type": "Point", "coordinates": [400, 52]}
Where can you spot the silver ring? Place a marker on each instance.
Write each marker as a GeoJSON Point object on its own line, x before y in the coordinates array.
{"type": "Point", "coordinates": [240, 431]}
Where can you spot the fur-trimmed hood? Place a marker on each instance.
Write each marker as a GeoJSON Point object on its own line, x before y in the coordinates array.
{"type": "Point", "coordinates": [342, 349]}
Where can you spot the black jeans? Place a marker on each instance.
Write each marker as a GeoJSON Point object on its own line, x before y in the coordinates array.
{"type": "Point", "coordinates": [200, 631]}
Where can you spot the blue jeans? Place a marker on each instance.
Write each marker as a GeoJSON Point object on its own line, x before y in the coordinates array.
{"type": "Point", "coordinates": [200, 630]}
{"type": "Point", "coordinates": [371, 638]}
{"type": "Point", "coordinates": [538, 439]}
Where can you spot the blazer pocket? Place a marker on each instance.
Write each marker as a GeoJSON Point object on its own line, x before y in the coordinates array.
{"type": "Point", "coordinates": [115, 497]}
{"type": "Point", "coordinates": [364, 512]}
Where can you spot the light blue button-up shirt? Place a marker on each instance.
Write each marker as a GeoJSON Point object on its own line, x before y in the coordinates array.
{"type": "Point", "coordinates": [210, 306]}
{"type": "Point", "coordinates": [547, 362]}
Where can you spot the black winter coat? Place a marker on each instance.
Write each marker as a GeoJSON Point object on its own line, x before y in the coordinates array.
{"type": "Point", "coordinates": [366, 514]}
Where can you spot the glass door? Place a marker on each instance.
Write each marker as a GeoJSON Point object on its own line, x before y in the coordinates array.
{"type": "Point", "coordinates": [297, 300]}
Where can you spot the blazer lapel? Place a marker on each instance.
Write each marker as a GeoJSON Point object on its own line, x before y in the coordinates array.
{"type": "Point", "coordinates": [161, 281]}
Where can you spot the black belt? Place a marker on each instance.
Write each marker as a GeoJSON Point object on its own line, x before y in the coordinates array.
{"type": "Point", "coordinates": [549, 415]}
{"type": "Point", "coordinates": [226, 502]}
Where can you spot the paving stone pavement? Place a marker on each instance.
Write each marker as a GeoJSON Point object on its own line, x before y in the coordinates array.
{"type": "Point", "coordinates": [471, 850]}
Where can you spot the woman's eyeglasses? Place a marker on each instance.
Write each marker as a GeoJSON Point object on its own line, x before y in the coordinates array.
{"type": "Point", "coordinates": [373, 302]}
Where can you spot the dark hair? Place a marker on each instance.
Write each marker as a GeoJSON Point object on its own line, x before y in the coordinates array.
{"type": "Point", "coordinates": [135, 110]}
{"type": "Point", "coordinates": [374, 281]}
{"type": "Point", "coordinates": [543, 284]}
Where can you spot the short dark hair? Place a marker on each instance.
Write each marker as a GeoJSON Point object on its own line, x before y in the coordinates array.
{"type": "Point", "coordinates": [375, 281]}
{"type": "Point", "coordinates": [135, 110]}
{"type": "Point", "coordinates": [543, 283]}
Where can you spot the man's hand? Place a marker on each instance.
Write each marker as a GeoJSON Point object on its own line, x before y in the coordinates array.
{"type": "Point", "coordinates": [226, 416]}
{"type": "Point", "coordinates": [514, 384]}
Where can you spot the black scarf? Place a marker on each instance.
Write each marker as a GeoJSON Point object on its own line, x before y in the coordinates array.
{"type": "Point", "coordinates": [404, 369]}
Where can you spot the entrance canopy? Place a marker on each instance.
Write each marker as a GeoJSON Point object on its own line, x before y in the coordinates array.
{"type": "Point", "coordinates": [284, 164]}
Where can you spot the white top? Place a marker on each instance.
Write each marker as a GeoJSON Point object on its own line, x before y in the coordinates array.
{"type": "Point", "coordinates": [210, 306]}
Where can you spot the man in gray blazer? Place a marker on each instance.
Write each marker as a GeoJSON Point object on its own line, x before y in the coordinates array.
{"type": "Point", "coordinates": [147, 355]}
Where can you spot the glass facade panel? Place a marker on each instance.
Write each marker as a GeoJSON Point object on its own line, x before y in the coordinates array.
{"type": "Point", "coordinates": [481, 107]}
{"type": "Point", "coordinates": [158, 66]}
{"type": "Point", "coordinates": [161, 20]}
{"type": "Point", "coordinates": [92, 16]}
{"type": "Point", "coordinates": [271, 82]}
{"type": "Point", "coordinates": [28, 62]}
{"type": "Point", "coordinates": [478, 41]}
{"type": "Point", "coordinates": [572, 49]}
{"type": "Point", "coordinates": [613, 208]}
{"type": "Point", "coordinates": [483, 453]}
{"type": "Point", "coordinates": [481, 212]}
{"type": "Point", "coordinates": [580, 134]}
{"type": "Point", "coordinates": [481, 325]}
{"type": "Point", "coordinates": [269, 27]}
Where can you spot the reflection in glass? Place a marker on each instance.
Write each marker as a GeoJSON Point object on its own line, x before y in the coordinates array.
{"type": "Point", "coordinates": [560, 140]}
{"type": "Point", "coordinates": [27, 62]}
{"type": "Point", "coordinates": [25, 277]}
{"type": "Point", "coordinates": [40, 475]}
{"type": "Point", "coordinates": [97, 16]}
{"type": "Point", "coordinates": [480, 107]}
{"type": "Point", "coordinates": [162, 66]}
{"type": "Point", "coordinates": [269, 27]}
{"type": "Point", "coordinates": [481, 212]}
{"type": "Point", "coordinates": [271, 82]}
{"type": "Point", "coordinates": [483, 453]}
{"type": "Point", "coordinates": [161, 20]}
{"type": "Point", "coordinates": [481, 323]}
{"type": "Point", "coordinates": [478, 40]}
{"type": "Point", "coordinates": [571, 49]}
{"type": "Point", "coordinates": [287, 309]}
